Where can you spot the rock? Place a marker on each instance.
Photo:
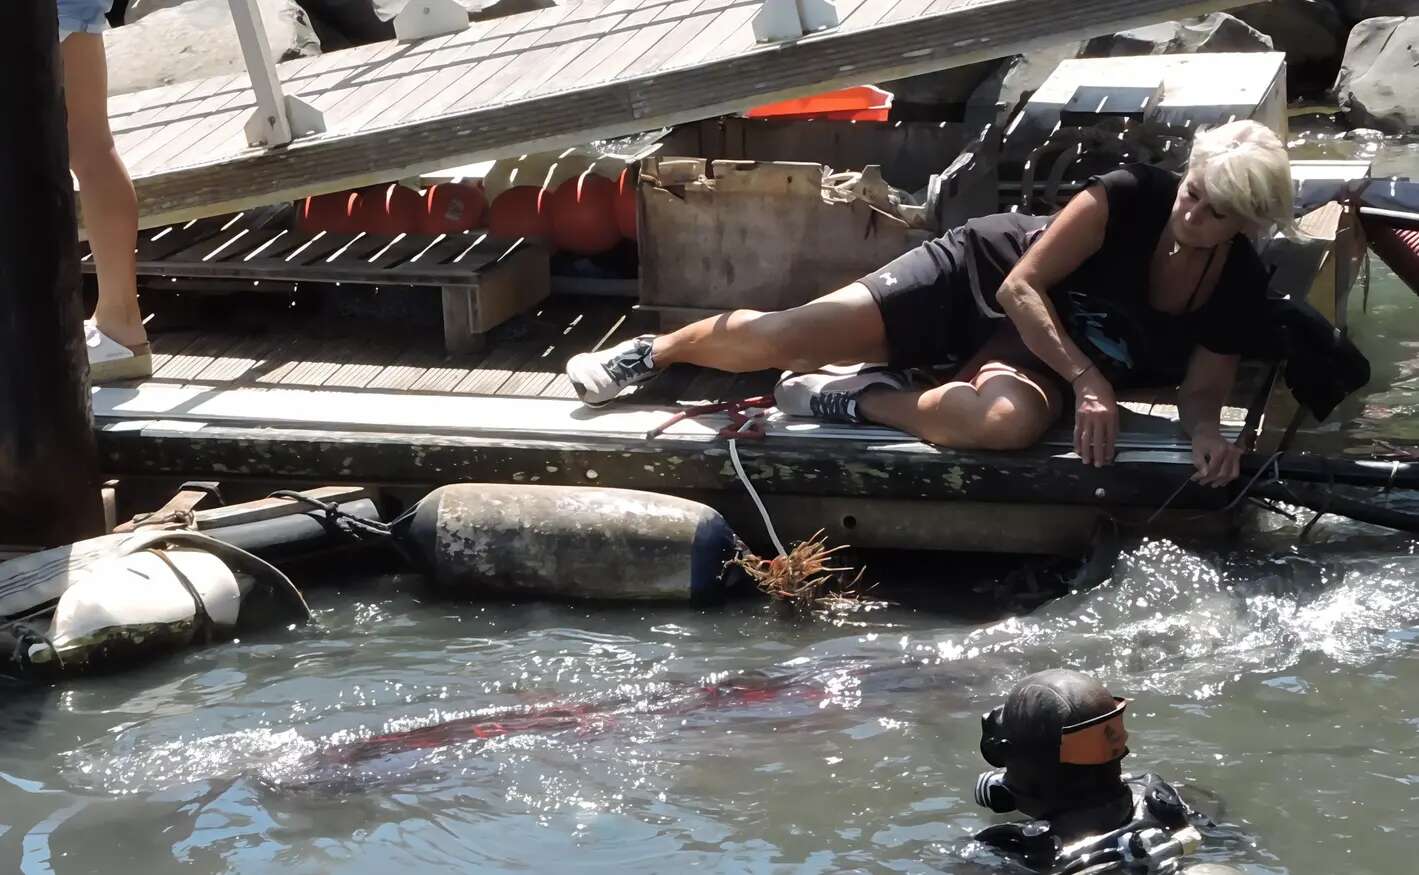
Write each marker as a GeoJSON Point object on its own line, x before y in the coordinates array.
{"type": "Point", "coordinates": [167, 41]}
{"type": "Point", "coordinates": [341, 24]}
{"type": "Point", "coordinates": [1002, 90]}
{"type": "Point", "coordinates": [1218, 32]}
{"type": "Point", "coordinates": [1306, 30]}
{"type": "Point", "coordinates": [1377, 86]}
{"type": "Point", "coordinates": [1359, 10]}
{"type": "Point", "coordinates": [932, 96]}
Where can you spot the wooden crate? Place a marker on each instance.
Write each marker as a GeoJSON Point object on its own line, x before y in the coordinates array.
{"type": "Point", "coordinates": [735, 214]}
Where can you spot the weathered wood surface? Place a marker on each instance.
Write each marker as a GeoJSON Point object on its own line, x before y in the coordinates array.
{"type": "Point", "coordinates": [897, 468]}
{"type": "Point", "coordinates": [758, 234]}
{"type": "Point", "coordinates": [49, 485]}
{"type": "Point", "coordinates": [556, 78]}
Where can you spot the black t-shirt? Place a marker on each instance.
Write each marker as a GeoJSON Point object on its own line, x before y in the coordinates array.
{"type": "Point", "coordinates": [1104, 303]}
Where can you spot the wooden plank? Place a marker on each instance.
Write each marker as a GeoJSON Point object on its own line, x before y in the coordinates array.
{"type": "Point", "coordinates": [867, 14]}
{"type": "Point", "coordinates": [238, 360]}
{"type": "Point", "coordinates": [166, 344]}
{"type": "Point", "coordinates": [132, 136]}
{"type": "Point", "coordinates": [580, 70]}
{"type": "Point", "coordinates": [497, 366]}
{"type": "Point", "coordinates": [732, 20]}
{"type": "Point", "coordinates": [364, 363]}
{"type": "Point", "coordinates": [175, 238]}
{"type": "Point", "coordinates": [470, 67]}
{"type": "Point", "coordinates": [321, 362]}
{"type": "Point", "coordinates": [570, 41]}
{"type": "Point", "coordinates": [673, 43]}
{"type": "Point", "coordinates": [406, 369]}
{"type": "Point", "coordinates": [285, 357]}
{"type": "Point", "coordinates": [174, 137]}
{"type": "Point", "coordinates": [195, 357]}
{"type": "Point", "coordinates": [590, 323]}
{"type": "Point", "coordinates": [567, 114]}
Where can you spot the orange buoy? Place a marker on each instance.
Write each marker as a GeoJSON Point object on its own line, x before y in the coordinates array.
{"type": "Point", "coordinates": [626, 204]}
{"type": "Point", "coordinates": [452, 208]}
{"type": "Point", "coordinates": [324, 212]}
{"type": "Point", "coordinates": [385, 209]}
{"type": "Point", "coordinates": [583, 214]}
{"type": "Point", "coordinates": [520, 211]}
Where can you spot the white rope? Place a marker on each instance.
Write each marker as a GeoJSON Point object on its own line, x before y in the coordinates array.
{"type": "Point", "coordinates": [744, 478]}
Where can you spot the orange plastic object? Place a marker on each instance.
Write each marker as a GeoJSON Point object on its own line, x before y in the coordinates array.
{"type": "Point", "coordinates": [385, 209]}
{"type": "Point", "coordinates": [519, 211]}
{"type": "Point", "coordinates": [858, 103]}
{"type": "Point", "coordinates": [452, 208]}
{"type": "Point", "coordinates": [583, 213]}
{"type": "Point", "coordinates": [625, 208]}
{"type": "Point", "coordinates": [324, 212]}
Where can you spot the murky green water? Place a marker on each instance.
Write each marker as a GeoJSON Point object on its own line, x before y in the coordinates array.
{"type": "Point", "coordinates": [1279, 682]}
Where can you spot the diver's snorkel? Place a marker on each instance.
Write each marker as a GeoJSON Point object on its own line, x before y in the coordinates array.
{"type": "Point", "coordinates": [1057, 745]}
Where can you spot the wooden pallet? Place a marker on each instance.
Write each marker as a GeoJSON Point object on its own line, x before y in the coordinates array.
{"type": "Point", "coordinates": [484, 280]}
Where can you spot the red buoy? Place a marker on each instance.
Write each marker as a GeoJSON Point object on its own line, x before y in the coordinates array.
{"type": "Point", "coordinates": [324, 212]}
{"type": "Point", "coordinates": [519, 211]}
{"type": "Point", "coordinates": [1397, 246]}
{"type": "Point", "coordinates": [626, 204]}
{"type": "Point", "coordinates": [452, 208]}
{"type": "Point", "coordinates": [583, 215]}
{"type": "Point", "coordinates": [386, 210]}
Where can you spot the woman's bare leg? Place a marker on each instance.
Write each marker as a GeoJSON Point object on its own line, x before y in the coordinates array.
{"type": "Point", "coordinates": [1001, 408]}
{"type": "Point", "coordinates": [842, 327]}
{"type": "Point", "coordinates": [106, 192]}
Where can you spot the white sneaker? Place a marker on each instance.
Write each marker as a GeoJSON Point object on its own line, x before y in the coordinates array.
{"type": "Point", "coordinates": [600, 376]}
{"type": "Point", "coordinates": [831, 393]}
{"type": "Point", "coordinates": [110, 360]}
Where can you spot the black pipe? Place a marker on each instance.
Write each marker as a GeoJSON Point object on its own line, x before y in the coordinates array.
{"type": "Point", "coordinates": [293, 535]}
{"type": "Point", "coordinates": [1326, 501]}
{"type": "Point", "coordinates": [1312, 468]}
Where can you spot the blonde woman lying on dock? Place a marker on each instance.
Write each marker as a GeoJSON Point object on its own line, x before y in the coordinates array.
{"type": "Point", "coordinates": [1144, 279]}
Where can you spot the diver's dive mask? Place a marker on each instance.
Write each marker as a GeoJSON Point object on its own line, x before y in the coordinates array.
{"type": "Point", "coordinates": [1032, 766]}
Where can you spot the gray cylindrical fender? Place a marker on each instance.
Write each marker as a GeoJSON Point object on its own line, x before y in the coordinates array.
{"type": "Point", "coordinates": [570, 542]}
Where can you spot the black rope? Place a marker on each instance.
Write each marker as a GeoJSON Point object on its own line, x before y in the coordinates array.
{"type": "Point", "coordinates": [1324, 509]}
{"type": "Point", "coordinates": [206, 626]}
{"type": "Point", "coordinates": [355, 527]}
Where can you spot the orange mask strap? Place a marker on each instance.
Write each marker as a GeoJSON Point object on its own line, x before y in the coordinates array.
{"type": "Point", "coordinates": [1095, 742]}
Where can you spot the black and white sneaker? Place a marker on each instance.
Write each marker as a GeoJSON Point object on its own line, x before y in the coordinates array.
{"type": "Point", "coordinates": [831, 393]}
{"type": "Point", "coordinates": [600, 376]}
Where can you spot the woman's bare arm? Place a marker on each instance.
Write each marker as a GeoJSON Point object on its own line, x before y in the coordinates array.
{"type": "Point", "coordinates": [1205, 388]}
{"type": "Point", "coordinates": [1075, 234]}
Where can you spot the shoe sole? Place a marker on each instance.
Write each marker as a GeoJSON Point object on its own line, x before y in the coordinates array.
{"type": "Point", "coordinates": [131, 368]}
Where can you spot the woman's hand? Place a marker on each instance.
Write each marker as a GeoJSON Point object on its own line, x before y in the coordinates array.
{"type": "Point", "coordinates": [1218, 460]}
{"type": "Point", "coordinates": [1095, 418]}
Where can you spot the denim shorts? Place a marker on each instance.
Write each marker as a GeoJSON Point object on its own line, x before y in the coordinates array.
{"type": "Point", "coordinates": [82, 16]}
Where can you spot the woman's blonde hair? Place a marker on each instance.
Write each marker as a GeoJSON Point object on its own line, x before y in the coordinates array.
{"type": "Point", "coordinates": [1246, 172]}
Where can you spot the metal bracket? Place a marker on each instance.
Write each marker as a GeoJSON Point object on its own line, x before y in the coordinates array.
{"type": "Point", "coordinates": [271, 129]}
{"type": "Point", "coordinates": [780, 20]}
{"type": "Point", "coordinates": [422, 19]}
{"type": "Point", "coordinates": [279, 118]}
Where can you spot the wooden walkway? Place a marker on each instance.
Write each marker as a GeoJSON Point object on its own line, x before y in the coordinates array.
{"type": "Point", "coordinates": [556, 78]}
{"type": "Point", "coordinates": [285, 407]}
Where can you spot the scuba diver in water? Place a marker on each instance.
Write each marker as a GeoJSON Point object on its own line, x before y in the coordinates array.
{"type": "Point", "coordinates": [1057, 745]}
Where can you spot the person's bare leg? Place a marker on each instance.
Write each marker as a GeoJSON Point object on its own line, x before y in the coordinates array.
{"type": "Point", "coordinates": [842, 327]}
{"type": "Point", "coordinates": [1002, 408]}
{"type": "Point", "coordinates": [106, 192]}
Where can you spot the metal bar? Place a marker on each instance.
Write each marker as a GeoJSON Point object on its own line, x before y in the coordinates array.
{"type": "Point", "coordinates": [272, 127]}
